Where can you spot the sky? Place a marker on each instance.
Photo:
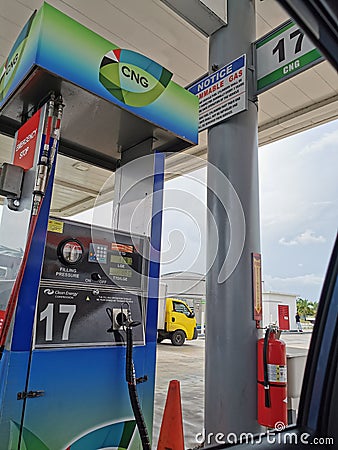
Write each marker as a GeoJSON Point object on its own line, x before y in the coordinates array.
{"type": "Point", "coordinates": [298, 213]}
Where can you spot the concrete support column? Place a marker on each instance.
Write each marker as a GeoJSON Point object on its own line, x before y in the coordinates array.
{"type": "Point", "coordinates": [231, 333]}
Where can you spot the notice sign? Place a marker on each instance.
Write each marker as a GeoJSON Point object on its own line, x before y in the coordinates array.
{"type": "Point", "coordinates": [222, 94]}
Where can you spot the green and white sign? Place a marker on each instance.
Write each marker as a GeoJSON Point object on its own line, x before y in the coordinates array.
{"type": "Point", "coordinates": [283, 53]}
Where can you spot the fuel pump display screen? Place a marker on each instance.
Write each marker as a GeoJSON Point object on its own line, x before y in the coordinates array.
{"type": "Point", "coordinates": [120, 272]}
{"type": "Point", "coordinates": [118, 259]}
{"type": "Point", "coordinates": [92, 255]}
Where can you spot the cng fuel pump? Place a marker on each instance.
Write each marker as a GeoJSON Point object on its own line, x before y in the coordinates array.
{"type": "Point", "coordinates": [93, 292]}
{"type": "Point", "coordinates": [81, 293]}
{"type": "Point", "coordinates": [92, 299]}
{"type": "Point", "coordinates": [83, 299]}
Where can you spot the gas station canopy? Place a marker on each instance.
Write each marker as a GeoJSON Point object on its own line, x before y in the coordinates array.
{"type": "Point", "coordinates": [151, 28]}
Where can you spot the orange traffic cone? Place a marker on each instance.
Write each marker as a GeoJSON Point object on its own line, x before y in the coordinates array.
{"type": "Point", "coordinates": [171, 433]}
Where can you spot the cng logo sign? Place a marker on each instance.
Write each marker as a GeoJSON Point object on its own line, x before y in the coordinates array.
{"type": "Point", "coordinates": [9, 69]}
{"type": "Point", "coordinates": [132, 78]}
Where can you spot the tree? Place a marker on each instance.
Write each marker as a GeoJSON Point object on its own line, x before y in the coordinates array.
{"type": "Point", "coordinates": [306, 308]}
{"type": "Point", "coordinates": [314, 308]}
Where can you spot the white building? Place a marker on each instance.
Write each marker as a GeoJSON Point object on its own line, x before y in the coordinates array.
{"type": "Point", "coordinates": [280, 309]}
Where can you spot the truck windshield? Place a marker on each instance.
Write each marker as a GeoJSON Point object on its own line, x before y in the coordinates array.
{"type": "Point", "coordinates": [179, 307]}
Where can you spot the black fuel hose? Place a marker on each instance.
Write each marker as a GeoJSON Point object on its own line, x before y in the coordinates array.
{"type": "Point", "coordinates": [265, 365]}
{"type": "Point", "coordinates": [131, 380]}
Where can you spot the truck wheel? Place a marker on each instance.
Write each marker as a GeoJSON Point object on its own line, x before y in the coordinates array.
{"type": "Point", "coordinates": [178, 338]}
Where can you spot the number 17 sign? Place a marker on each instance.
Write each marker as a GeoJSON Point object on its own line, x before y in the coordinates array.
{"type": "Point", "coordinates": [281, 54]}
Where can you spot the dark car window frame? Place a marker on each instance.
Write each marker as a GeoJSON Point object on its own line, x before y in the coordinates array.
{"type": "Point", "coordinates": [324, 342]}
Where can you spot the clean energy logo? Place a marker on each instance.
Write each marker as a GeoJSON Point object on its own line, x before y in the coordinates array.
{"type": "Point", "coordinates": [133, 78]}
{"type": "Point", "coordinates": [9, 69]}
{"type": "Point", "coordinates": [48, 291]}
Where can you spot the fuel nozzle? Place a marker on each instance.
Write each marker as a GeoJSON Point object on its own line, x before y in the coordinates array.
{"type": "Point", "coordinates": [127, 320]}
{"type": "Point", "coordinates": [121, 318]}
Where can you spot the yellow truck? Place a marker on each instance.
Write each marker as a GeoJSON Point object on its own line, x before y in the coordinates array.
{"type": "Point", "coordinates": [176, 321]}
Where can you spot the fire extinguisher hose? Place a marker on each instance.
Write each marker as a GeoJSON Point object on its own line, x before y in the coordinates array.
{"type": "Point", "coordinates": [134, 400]}
{"type": "Point", "coordinates": [265, 368]}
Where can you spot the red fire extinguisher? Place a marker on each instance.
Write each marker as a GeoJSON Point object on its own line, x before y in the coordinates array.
{"type": "Point", "coordinates": [272, 380]}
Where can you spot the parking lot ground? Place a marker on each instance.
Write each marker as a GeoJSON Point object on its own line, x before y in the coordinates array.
{"type": "Point", "coordinates": [186, 364]}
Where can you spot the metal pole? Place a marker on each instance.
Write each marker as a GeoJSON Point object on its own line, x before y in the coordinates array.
{"type": "Point", "coordinates": [202, 322]}
{"type": "Point", "coordinates": [231, 333]}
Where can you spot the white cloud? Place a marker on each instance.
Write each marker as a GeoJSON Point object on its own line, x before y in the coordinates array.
{"type": "Point", "coordinates": [307, 279]}
{"type": "Point", "coordinates": [305, 238]}
{"type": "Point", "coordinates": [284, 241]}
{"type": "Point", "coordinates": [307, 286]}
{"type": "Point", "coordinates": [309, 237]}
{"type": "Point", "coordinates": [324, 142]}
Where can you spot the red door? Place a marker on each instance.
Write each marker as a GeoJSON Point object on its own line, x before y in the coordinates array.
{"type": "Point", "coordinates": [283, 317]}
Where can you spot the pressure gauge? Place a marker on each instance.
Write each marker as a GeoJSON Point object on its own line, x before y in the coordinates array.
{"type": "Point", "coordinates": [70, 251]}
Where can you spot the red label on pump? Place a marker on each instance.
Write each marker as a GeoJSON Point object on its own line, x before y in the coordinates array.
{"type": "Point", "coordinates": [25, 142]}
